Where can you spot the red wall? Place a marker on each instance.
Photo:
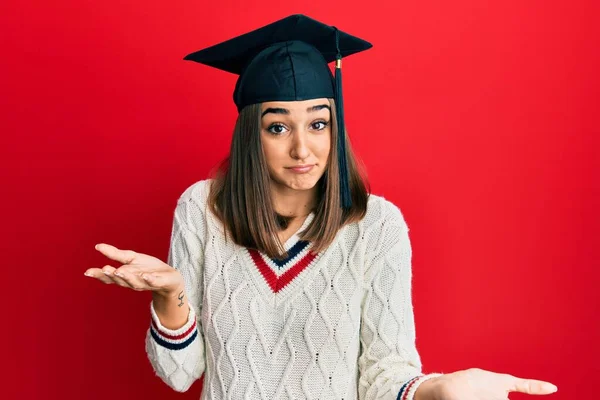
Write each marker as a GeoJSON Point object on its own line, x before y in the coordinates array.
{"type": "Point", "coordinates": [479, 120]}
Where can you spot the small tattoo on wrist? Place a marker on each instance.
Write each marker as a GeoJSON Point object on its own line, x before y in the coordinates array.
{"type": "Point", "coordinates": [180, 297]}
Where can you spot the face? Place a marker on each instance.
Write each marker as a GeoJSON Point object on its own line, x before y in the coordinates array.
{"type": "Point", "coordinates": [296, 138]}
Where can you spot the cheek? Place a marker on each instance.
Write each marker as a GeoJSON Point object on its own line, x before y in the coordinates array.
{"type": "Point", "coordinates": [322, 147]}
{"type": "Point", "coordinates": [272, 152]}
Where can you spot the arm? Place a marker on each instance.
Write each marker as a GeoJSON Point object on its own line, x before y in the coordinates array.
{"type": "Point", "coordinates": [174, 342]}
{"type": "Point", "coordinates": [389, 364]}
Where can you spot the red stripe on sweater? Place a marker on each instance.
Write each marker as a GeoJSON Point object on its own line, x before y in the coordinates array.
{"type": "Point", "coordinates": [275, 283]}
{"type": "Point", "coordinates": [405, 395]}
{"type": "Point", "coordinates": [174, 337]}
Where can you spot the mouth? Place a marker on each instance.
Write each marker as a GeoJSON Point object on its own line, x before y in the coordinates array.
{"type": "Point", "coordinates": [301, 169]}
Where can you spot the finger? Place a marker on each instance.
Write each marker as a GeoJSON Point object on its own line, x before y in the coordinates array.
{"type": "Point", "coordinates": [122, 256]}
{"type": "Point", "coordinates": [98, 274]}
{"type": "Point", "coordinates": [532, 386]}
{"type": "Point", "coordinates": [109, 271]}
{"type": "Point", "coordinates": [131, 278]}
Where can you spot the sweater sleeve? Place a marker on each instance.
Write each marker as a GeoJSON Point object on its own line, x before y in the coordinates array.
{"type": "Point", "coordinates": [177, 355]}
{"type": "Point", "coordinates": [389, 364]}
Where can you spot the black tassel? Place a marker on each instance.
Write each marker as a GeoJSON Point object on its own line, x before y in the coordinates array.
{"type": "Point", "coordinates": [345, 194]}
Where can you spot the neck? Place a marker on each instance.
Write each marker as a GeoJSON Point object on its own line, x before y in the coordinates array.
{"type": "Point", "coordinates": [293, 203]}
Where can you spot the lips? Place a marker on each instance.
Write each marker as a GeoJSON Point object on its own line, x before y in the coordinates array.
{"type": "Point", "coordinates": [301, 169]}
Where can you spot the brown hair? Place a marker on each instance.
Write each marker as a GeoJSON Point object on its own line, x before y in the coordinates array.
{"type": "Point", "coordinates": [240, 192]}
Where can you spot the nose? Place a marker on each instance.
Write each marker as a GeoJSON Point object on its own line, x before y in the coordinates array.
{"type": "Point", "coordinates": [300, 150]}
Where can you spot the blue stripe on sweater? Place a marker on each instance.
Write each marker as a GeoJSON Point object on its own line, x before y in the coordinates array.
{"type": "Point", "coordinates": [293, 252]}
{"type": "Point", "coordinates": [173, 346]}
{"type": "Point", "coordinates": [403, 388]}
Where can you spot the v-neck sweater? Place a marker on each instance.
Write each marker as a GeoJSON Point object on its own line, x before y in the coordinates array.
{"type": "Point", "coordinates": [337, 324]}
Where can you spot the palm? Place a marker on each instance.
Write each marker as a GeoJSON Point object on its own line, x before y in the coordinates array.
{"type": "Point", "coordinates": [146, 263]}
{"type": "Point", "coordinates": [139, 271]}
{"type": "Point", "coordinates": [478, 384]}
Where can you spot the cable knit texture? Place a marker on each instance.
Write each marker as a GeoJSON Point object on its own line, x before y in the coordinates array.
{"type": "Point", "coordinates": [338, 325]}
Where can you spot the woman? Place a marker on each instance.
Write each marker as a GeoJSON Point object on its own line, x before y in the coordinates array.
{"type": "Point", "coordinates": [285, 277]}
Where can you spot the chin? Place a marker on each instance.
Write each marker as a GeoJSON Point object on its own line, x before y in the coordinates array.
{"type": "Point", "coordinates": [307, 185]}
{"type": "Point", "coordinates": [298, 183]}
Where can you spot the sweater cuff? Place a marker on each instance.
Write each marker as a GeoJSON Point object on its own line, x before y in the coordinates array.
{"type": "Point", "coordinates": [173, 339]}
{"type": "Point", "coordinates": [407, 391]}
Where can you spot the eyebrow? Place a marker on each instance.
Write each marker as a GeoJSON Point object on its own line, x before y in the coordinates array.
{"type": "Point", "coordinates": [286, 111]}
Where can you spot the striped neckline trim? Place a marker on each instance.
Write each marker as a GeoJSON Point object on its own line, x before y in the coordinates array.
{"type": "Point", "coordinates": [275, 282]}
{"type": "Point", "coordinates": [293, 252]}
{"type": "Point", "coordinates": [279, 273]}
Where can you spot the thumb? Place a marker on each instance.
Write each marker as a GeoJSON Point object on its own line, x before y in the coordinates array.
{"type": "Point", "coordinates": [158, 281]}
{"type": "Point", "coordinates": [151, 280]}
{"type": "Point", "coordinates": [531, 386]}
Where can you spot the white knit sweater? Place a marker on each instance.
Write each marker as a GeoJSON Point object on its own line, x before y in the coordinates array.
{"type": "Point", "coordinates": [338, 325]}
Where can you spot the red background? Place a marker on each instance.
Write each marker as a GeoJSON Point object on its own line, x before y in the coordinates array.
{"type": "Point", "coordinates": [478, 119]}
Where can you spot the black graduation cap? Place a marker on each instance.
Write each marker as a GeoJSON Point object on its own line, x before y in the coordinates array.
{"type": "Point", "coordinates": [287, 60]}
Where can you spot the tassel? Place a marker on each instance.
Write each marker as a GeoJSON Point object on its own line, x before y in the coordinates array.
{"type": "Point", "coordinates": [345, 194]}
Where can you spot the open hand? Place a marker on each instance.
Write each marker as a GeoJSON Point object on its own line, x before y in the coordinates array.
{"type": "Point", "coordinates": [478, 384]}
{"type": "Point", "coordinates": [138, 272]}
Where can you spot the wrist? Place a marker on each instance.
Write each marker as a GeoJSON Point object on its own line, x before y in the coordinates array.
{"type": "Point", "coordinates": [428, 389]}
{"type": "Point", "coordinates": [169, 294]}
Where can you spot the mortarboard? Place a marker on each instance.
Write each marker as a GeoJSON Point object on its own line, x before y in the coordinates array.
{"type": "Point", "coordinates": [287, 60]}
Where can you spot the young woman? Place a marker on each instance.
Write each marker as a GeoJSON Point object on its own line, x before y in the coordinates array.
{"type": "Point", "coordinates": [285, 278]}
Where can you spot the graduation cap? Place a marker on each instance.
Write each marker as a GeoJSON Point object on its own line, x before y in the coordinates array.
{"type": "Point", "coordinates": [287, 60]}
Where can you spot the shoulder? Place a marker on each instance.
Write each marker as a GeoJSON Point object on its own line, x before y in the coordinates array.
{"type": "Point", "coordinates": [382, 212]}
{"type": "Point", "coordinates": [196, 193]}
{"type": "Point", "coordinates": [192, 204]}
{"type": "Point", "coordinates": [384, 235]}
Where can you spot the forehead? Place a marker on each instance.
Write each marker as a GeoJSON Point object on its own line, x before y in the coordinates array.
{"type": "Point", "coordinates": [295, 106]}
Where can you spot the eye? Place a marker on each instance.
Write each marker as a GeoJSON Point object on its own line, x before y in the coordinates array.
{"type": "Point", "coordinates": [276, 129]}
{"type": "Point", "coordinates": [320, 125]}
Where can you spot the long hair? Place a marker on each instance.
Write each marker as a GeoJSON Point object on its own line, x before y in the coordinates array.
{"type": "Point", "coordinates": [240, 193]}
